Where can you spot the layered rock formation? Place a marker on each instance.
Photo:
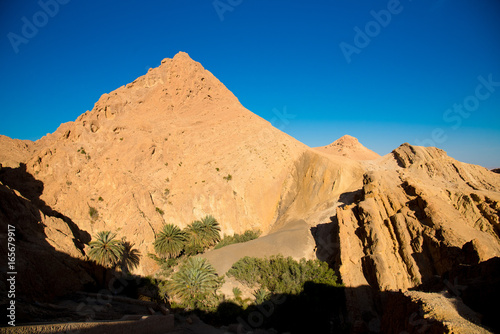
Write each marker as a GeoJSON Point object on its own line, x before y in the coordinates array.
{"type": "Point", "coordinates": [419, 214]}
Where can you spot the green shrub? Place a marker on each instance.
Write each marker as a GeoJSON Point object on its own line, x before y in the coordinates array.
{"type": "Point", "coordinates": [261, 295]}
{"type": "Point", "coordinates": [160, 211]}
{"type": "Point", "coordinates": [281, 275]}
{"type": "Point", "coordinates": [93, 213]}
{"type": "Point", "coordinates": [238, 299]}
{"type": "Point", "coordinates": [229, 177]}
{"type": "Point", "coordinates": [238, 238]}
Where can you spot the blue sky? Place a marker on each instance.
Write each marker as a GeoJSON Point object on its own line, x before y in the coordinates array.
{"type": "Point", "coordinates": [387, 72]}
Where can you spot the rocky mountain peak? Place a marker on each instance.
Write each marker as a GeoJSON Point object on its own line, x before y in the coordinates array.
{"type": "Point", "coordinates": [350, 147]}
{"type": "Point", "coordinates": [346, 140]}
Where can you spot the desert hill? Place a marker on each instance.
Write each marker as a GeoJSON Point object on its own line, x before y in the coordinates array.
{"type": "Point", "coordinates": [176, 145]}
{"type": "Point", "coordinates": [350, 147]}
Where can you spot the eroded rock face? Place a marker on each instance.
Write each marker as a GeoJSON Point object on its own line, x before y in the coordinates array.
{"type": "Point", "coordinates": [418, 220]}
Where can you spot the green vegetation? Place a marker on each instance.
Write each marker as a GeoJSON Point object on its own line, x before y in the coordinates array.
{"type": "Point", "coordinates": [109, 252]}
{"type": "Point", "coordinates": [238, 238]}
{"type": "Point", "coordinates": [196, 284]}
{"type": "Point", "coordinates": [228, 178]}
{"type": "Point", "coordinates": [202, 234]}
{"type": "Point", "coordinates": [82, 151]}
{"type": "Point", "coordinates": [261, 295]}
{"type": "Point", "coordinates": [194, 239]}
{"type": "Point", "coordinates": [100, 199]}
{"type": "Point", "coordinates": [166, 191]}
{"type": "Point", "coordinates": [105, 249]}
{"type": "Point", "coordinates": [294, 290]}
{"type": "Point", "coordinates": [93, 213]}
{"type": "Point", "coordinates": [160, 211]}
{"type": "Point", "coordinates": [281, 275]}
{"type": "Point", "coordinates": [238, 299]}
{"type": "Point", "coordinates": [170, 241]}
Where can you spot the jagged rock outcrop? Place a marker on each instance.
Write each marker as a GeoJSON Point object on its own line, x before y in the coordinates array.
{"type": "Point", "coordinates": [14, 151]}
{"type": "Point", "coordinates": [417, 220]}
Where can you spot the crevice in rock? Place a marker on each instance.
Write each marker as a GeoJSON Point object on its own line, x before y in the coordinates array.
{"type": "Point", "coordinates": [143, 214]}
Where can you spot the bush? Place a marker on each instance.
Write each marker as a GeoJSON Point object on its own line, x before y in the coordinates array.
{"type": "Point", "coordinates": [238, 238]}
{"type": "Point", "coordinates": [280, 275]}
{"type": "Point", "coordinates": [93, 213]}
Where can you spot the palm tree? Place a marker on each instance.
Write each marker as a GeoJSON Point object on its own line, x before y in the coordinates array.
{"type": "Point", "coordinates": [170, 241]}
{"type": "Point", "coordinates": [105, 249]}
{"type": "Point", "coordinates": [194, 282]}
{"type": "Point", "coordinates": [195, 238]}
{"type": "Point", "coordinates": [202, 234]}
{"type": "Point", "coordinates": [211, 229]}
{"type": "Point", "coordinates": [261, 295]}
{"type": "Point", "coordinates": [131, 257]}
{"type": "Point", "coordinates": [239, 299]}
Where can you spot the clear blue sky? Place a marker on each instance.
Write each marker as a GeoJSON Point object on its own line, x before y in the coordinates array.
{"type": "Point", "coordinates": [328, 63]}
